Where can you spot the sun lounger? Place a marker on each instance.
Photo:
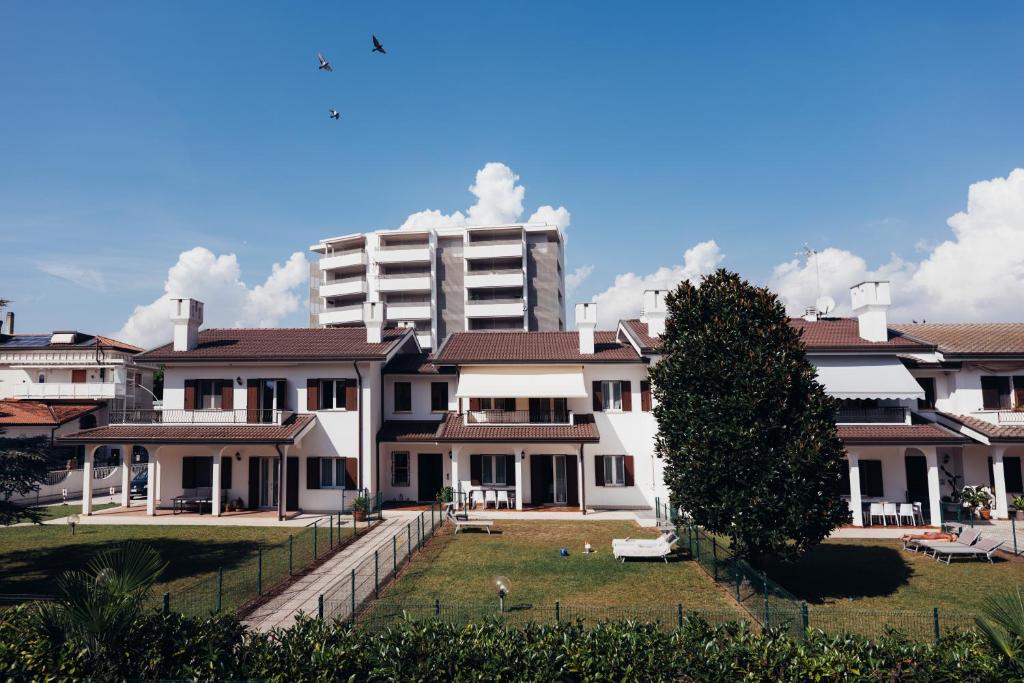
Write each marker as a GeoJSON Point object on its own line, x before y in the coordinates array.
{"type": "Point", "coordinates": [464, 522]}
{"type": "Point", "coordinates": [964, 540]}
{"type": "Point", "coordinates": [644, 547]}
{"type": "Point", "coordinates": [983, 548]}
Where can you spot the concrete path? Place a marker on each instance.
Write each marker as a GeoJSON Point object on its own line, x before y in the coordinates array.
{"type": "Point", "coordinates": [303, 595]}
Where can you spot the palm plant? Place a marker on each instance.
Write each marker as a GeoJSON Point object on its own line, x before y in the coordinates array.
{"type": "Point", "coordinates": [1003, 623]}
{"type": "Point", "coordinates": [97, 608]}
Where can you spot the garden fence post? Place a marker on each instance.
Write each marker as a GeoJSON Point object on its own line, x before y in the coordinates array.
{"type": "Point", "coordinates": [558, 611]}
{"type": "Point", "coordinates": [259, 571]}
{"type": "Point", "coordinates": [437, 607]}
{"type": "Point", "coordinates": [1013, 530]}
{"type": "Point", "coordinates": [657, 508]}
{"type": "Point", "coordinates": [714, 556]}
{"type": "Point", "coordinates": [764, 582]}
{"type": "Point", "coordinates": [408, 540]}
{"type": "Point", "coordinates": [739, 576]}
{"type": "Point", "coordinates": [320, 606]}
{"type": "Point", "coordinates": [394, 552]}
{"type": "Point", "coordinates": [289, 554]}
{"type": "Point", "coordinates": [314, 539]}
{"type": "Point", "coordinates": [330, 530]}
{"type": "Point", "coordinates": [220, 588]}
{"type": "Point", "coordinates": [805, 614]}
{"type": "Point", "coordinates": [376, 575]}
{"type": "Point", "coordinates": [167, 603]}
{"type": "Point", "coordinates": [353, 596]}
{"type": "Point", "coordinates": [679, 614]}
{"type": "Point", "coordinates": [935, 621]}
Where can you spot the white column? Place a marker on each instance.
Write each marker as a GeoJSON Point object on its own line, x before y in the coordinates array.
{"type": "Point", "coordinates": [934, 489]}
{"type": "Point", "coordinates": [90, 452]}
{"type": "Point", "coordinates": [126, 483]}
{"type": "Point", "coordinates": [216, 484]}
{"type": "Point", "coordinates": [150, 485]}
{"type": "Point", "coordinates": [455, 474]}
{"type": "Point", "coordinates": [159, 472]}
{"type": "Point", "coordinates": [520, 456]}
{"type": "Point", "coordinates": [856, 505]}
{"type": "Point", "coordinates": [1001, 508]}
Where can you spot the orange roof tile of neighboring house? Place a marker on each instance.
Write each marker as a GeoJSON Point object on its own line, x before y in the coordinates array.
{"type": "Point", "coordinates": [281, 344]}
{"type": "Point", "coordinates": [408, 430]}
{"type": "Point", "coordinates": [924, 434]}
{"type": "Point", "coordinates": [414, 364]}
{"type": "Point", "coordinates": [642, 336]}
{"type": "Point", "coordinates": [37, 413]}
{"type": "Point", "coordinates": [209, 433]}
{"type": "Point", "coordinates": [969, 339]}
{"type": "Point", "coordinates": [583, 430]}
{"type": "Point", "coordinates": [992, 432]}
{"type": "Point", "coordinates": [81, 341]}
{"type": "Point", "coordinates": [841, 334]}
{"type": "Point", "coordinates": [532, 347]}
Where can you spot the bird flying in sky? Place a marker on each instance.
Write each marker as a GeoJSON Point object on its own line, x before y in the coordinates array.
{"type": "Point", "coordinates": [324, 64]}
{"type": "Point", "coordinates": [377, 47]}
{"type": "Point", "coordinates": [335, 114]}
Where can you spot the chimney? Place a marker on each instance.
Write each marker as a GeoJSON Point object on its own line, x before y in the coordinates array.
{"type": "Point", "coordinates": [9, 326]}
{"type": "Point", "coordinates": [373, 318]}
{"type": "Point", "coordinates": [187, 316]}
{"type": "Point", "coordinates": [654, 312]}
{"type": "Point", "coordinates": [586, 321]}
{"type": "Point", "coordinates": [811, 314]}
{"type": "Point", "coordinates": [870, 302]}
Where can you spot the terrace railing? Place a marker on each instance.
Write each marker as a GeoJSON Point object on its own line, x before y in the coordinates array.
{"type": "Point", "coordinates": [169, 416]}
{"type": "Point", "coordinates": [519, 417]}
{"type": "Point", "coordinates": [879, 415]}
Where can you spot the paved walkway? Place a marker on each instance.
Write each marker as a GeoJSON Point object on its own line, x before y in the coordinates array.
{"type": "Point", "coordinates": [303, 595]}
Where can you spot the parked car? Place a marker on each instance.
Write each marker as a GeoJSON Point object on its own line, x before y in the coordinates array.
{"type": "Point", "coordinates": [139, 485]}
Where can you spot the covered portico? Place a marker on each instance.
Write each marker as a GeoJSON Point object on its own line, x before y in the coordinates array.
{"type": "Point", "coordinates": [185, 458]}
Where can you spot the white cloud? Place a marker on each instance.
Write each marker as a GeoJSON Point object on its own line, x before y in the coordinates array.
{"type": "Point", "coordinates": [499, 200]}
{"type": "Point", "coordinates": [978, 275]}
{"type": "Point", "coordinates": [216, 281]}
{"type": "Point", "coordinates": [88, 278]}
{"type": "Point", "coordinates": [576, 278]}
{"type": "Point", "coordinates": [622, 299]}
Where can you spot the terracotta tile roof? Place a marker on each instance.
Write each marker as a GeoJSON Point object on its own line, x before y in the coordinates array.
{"type": "Point", "coordinates": [527, 347]}
{"type": "Point", "coordinates": [82, 341]}
{"type": "Point", "coordinates": [408, 430]}
{"type": "Point", "coordinates": [841, 334]}
{"type": "Point", "coordinates": [642, 336]}
{"type": "Point", "coordinates": [924, 434]}
{"type": "Point", "coordinates": [993, 432]}
{"type": "Point", "coordinates": [584, 429]}
{"type": "Point", "coordinates": [285, 344]}
{"type": "Point", "coordinates": [198, 434]}
{"type": "Point", "coordinates": [969, 339]}
{"type": "Point", "coordinates": [415, 364]}
{"type": "Point", "coordinates": [37, 413]}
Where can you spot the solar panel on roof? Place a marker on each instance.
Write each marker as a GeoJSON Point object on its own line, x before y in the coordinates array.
{"type": "Point", "coordinates": [27, 341]}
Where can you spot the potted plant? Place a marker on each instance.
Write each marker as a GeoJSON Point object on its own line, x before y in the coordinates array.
{"type": "Point", "coordinates": [1018, 506]}
{"type": "Point", "coordinates": [978, 499]}
{"type": "Point", "coordinates": [445, 495]}
{"type": "Point", "coordinates": [359, 507]}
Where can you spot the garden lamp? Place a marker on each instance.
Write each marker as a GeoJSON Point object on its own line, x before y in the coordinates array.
{"type": "Point", "coordinates": [72, 522]}
{"type": "Point", "coordinates": [502, 585]}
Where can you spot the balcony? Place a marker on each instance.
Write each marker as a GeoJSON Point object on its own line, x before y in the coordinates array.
{"type": "Point", "coordinates": [1001, 417]}
{"type": "Point", "coordinates": [409, 311]}
{"type": "Point", "coordinates": [495, 308]}
{"type": "Point", "coordinates": [344, 287]}
{"type": "Point", "coordinates": [404, 282]}
{"type": "Point", "coordinates": [494, 249]}
{"type": "Point", "coordinates": [70, 390]}
{"type": "Point", "coordinates": [518, 417]}
{"type": "Point", "coordinates": [403, 253]}
{"type": "Point", "coordinates": [878, 415]}
{"type": "Point", "coordinates": [343, 259]}
{"type": "Point", "coordinates": [199, 417]}
{"type": "Point", "coordinates": [341, 315]}
{"type": "Point", "coordinates": [494, 278]}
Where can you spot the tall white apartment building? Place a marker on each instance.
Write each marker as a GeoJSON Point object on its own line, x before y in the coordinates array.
{"type": "Point", "coordinates": [444, 280]}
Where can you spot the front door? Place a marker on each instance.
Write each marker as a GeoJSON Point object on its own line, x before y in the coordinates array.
{"type": "Point", "coordinates": [263, 488]}
{"type": "Point", "coordinates": [542, 491]}
{"type": "Point", "coordinates": [78, 376]}
{"type": "Point", "coordinates": [291, 494]}
{"type": "Point", "coordinates": [917, 479]}
{"type": "Point", "coordinates": [430, 475]}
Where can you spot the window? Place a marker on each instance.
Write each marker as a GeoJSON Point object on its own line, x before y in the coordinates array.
{"type": "Point", "coordinates": [208, 394]}
{"type": "Point", "coordinates": [995, 393]}
{"type": "Point", "coordinates": [611, 395]}
{"type": "Point", "coordinates": [403, 397]}
{"type": "Point", "coordinates": [614, 470]}
{"type": "Point", "coordinates": [332, 394]}
{"type": "Point", "coordinates": [928, 402]}
{"type": "Point", "coordinates": [399, 469]}
{"type": "Point", "coordinates": [871, 484]}
{"type": "Point", "coordinates": [439, 397]}
{"type": "Point", "coordinates": [493, 470]}
{"type": "Point", "coordinates": [332, 473]}
{"type": "Point", "coordinates": [196, 472]}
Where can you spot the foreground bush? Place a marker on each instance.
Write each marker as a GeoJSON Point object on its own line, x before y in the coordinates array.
{"type": "Point", "coordinates": [173, 647]}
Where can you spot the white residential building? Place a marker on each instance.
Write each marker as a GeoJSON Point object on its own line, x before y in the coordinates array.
{"type": "Point", "coordinates": [443, 280]}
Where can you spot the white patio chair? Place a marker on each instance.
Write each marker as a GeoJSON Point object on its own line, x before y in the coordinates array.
{"type": "Point", "coordinates": [491, 497]}
{"type": "Point", "coordinates": [919, 513]}
{"type": "Point", "coordinates": [890, 510]}
{"type": "Point", "coordinates": [502, 498]}
{"type": "Point", "coordinates": [876, 510]}
{"type": "Point", "coordinates": [907, 512]}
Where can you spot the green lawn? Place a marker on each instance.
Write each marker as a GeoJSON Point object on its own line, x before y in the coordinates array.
{"type": "Point", "coordinates": [58, 511]}
{"type": "Point", "coordinates": [460, 569]}
{"type": "Point", "coordinates": [880, 575]}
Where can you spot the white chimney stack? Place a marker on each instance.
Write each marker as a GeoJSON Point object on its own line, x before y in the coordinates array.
{"type": "Point", "coordinates": [10, 322]}
{"type": "Point", "coordinates": [871, 301]}
{"type": "Point", "coordinates": [187, 316]}
{"type": "Point", "coordinates": [586, 322]}
{"type": "Point", "coordinates": [654, 312]}
{"type": "Point", "coordinates": [373, 318]}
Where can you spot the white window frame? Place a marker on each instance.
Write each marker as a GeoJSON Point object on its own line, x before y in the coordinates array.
{"type": "Point", "coordinates": [610, 390]}
{"type": "Point", "coordinates": [395, 468]}
{"type": "Point", "coordinates": [490, 469]}
{"type": "Point", "coordinates": [214, 394]}
{"type": "Point", "coordinates": [337, 387]}
{"type": "Point", "coordinates": [332, 473]}
{"type": "Point", "coordinates": [614, 470]}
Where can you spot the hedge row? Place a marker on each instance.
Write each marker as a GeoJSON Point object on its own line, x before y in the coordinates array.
{"type": "Point", "coordinates": [175, 647]}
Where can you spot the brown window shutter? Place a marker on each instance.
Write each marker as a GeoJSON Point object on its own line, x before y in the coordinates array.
{"type": "Point", "coordinates": [627, 465]}
{"type": "Point", "coordinates": [227, 394]}
{"type": "Point", "coordinates": [312, 473]}
{"type": "Point", "coordinates": [476, 468]}
{"type": "Point", "coordinates": [282, 394]}
{"type": "Point", "coordinates": [252, 400]}
{"type": "Point", "coordinates": [312, 395]}
{"type": "Point", "coordinates": [645, 396]}
{"type": "Point", "coordinates": [598, 398]}
{"type": "Point", "coordinates": [510, 470]}
{"type": "Point", "coordinates": [190, 394]}
{"type": "Point", "coordinates": [351, 395]}
{"type": "Point", "coordinates": [474, 404]}
{"type": "Point", "coordinates": [627, 396]}
{"type": "Point", "coordinates": [598, 470]}
{"type": "Point", "coordinates": [351, 473]}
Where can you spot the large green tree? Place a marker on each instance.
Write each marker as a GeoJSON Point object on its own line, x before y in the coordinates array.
{"type": "Point", "coordinates": [747, 434]}
{"type": "Point", "coordinates": [23, 468]}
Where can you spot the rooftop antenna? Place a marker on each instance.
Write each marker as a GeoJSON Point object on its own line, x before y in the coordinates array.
{"type": "Point", "coordinates": [808, 254]}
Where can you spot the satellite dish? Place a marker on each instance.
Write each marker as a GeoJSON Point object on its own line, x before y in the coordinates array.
{"type": "Point", "coordinates": [825, 305]}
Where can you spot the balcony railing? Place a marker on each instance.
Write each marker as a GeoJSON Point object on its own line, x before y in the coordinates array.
{"type": "Point", "coordinates": [199, 417]}
{"type": "Point", "coordinates": [485, 302]}
{"type": "Point", "coordinates": [880, 415]}
{"type": "Point", "coordinates": [496, 271]}
{"type": "Point", "coordinates": [1010, 417]}
{"type": "Point", "coordinates": [404, 245]}
{"type": "Point", "coordinates": [58, 390]}
{"type": "Point", "coordinates": [483, 242]}
{"type": "Point", "coordinates": [399, 276]}
{"type": "Point", "coordinates": [519, 417]}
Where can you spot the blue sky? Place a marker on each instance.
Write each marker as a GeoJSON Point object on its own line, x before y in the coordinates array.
{"type": "Point", "coordinates": [135, 131]}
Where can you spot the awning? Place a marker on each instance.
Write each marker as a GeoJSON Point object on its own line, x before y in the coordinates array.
{"type": "Point", "coordinates": [521, 381]}
{"type": "Point", "coordinates": [866, 377]}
